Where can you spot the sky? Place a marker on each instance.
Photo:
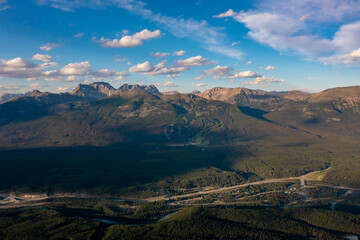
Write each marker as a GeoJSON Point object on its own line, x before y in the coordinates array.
{"type": "Point", "coordinates": [274, 45]}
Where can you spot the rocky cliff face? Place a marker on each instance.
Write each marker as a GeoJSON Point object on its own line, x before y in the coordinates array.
{"type": "Point", "coordinates": [104, 88]}
{"type": "Point", "coordinates": [88, 91]}
{"type": "Point", "coordinates": [101, 89]}
{"type": "Point", "coordinates": [147, 88]}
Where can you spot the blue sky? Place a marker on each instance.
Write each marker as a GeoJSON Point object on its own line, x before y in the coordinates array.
{"type": "Point", "coordinates": [53, 45]}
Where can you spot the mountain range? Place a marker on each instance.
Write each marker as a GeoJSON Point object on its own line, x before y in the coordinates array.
{"type": "Point", "coordinates": [99, 114]}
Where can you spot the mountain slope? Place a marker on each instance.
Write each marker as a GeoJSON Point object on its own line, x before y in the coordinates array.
{"type": "Point", "coordinates": [130, 116]}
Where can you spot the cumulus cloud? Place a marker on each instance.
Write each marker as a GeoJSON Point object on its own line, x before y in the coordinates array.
{"type": "Point", "coordinates": [42, 57]}
{"type": "Point", "coordinates": [194, 61]}
{"type": "Point", "coordinates": [146, 34]}
{"type": "Point", "coordinates": [166, 84]}
{"type": "Point", "coordinates": [73, 69]}
{"type": "Point", "coordinates": [84, 69]}
{"type": "Point", "coordinates": [347, 37]}
{"type": "Point", "coordinates": [294, 25]}
{"type": "Point", "coordinates": [264, 81]}
{"type": "Point", "coordinates": [235, 43]}
{"type": "Point", "coordinates": [270, 68]}
{"type": "Point", "coordinates": [128, 41]}
{"type": "Point", "coordinates": [21, 68]}
{"type": "Point", "coordinates": [211, 38]}
{"type": "Point", "coordinates": [179, 53]}
{"type": "Point", "coordinates": [62, 88]}
{"type": "Point", "coordinates": [71, 79]}
{"type": "Point", "coordinates": [24, 69]}
{"type": "Point", "coordinates": [219, 71]}
{"type": "Point", "coordinates": [199, 77]}
{"type": "Point", "coordinates": [245, 74]}
{"type": "Point", "coordinates": [201, 85]}
{"type": "Point", "coordinates": [228, 13]}
{"type": "Point", "coordinates": [38, 86]}
{"type": "Point", "coordinates": [79, 35]}
{"type": "Point", "coordinates": [161, 55]}
{"type": "Point", "coordinates": [350, 57]}
{"type": "Point", "coordinates": [147, 68]}
{"type": "Point", "coordinates": [173, 75]}
{"type": "Point", "coordinates": [49, 46]}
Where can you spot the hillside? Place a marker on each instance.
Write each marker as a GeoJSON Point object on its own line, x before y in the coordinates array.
{"type": "Point", "coordinates": [68, 119]}
{"type": "Point", "coordinates": [267, 135]}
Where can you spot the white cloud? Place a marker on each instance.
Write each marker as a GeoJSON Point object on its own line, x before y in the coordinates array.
{"type": "Point", "coordinates": [211, 38]}
{"type": "Point", "coordinates": [120, 59]}
{"type": "Point", "coordinates": [37, 86]}
{"type": "Point", "coordinates": [62, 89]}
{"type": "Point", "coordinates": [235, 43]}
{"type": "Point", "coordinates": [128, 41]}
{"type": "Point", "coordinates": [249, 62]}
{"type": "Point", "coordinates": [194, 61]}
{"type": "Point", "coordinates": [219, 71]}
{"type": "Point", "coordinates": [173, 75]}
{"type": "Point", "coordinates": [74, 69]}
{"type": "Point", "coordinates": [201, 85]}
{"type": "Point", "coordinates": [79, 35]}
{"type": "Point", "coordinates": [146, 68]}
{"type": "Point", "coordinates": [347, 38]}
{"type": "Point", "coordinates": [264, 81]}
{"type": "Point", "coordinates": [245, 74]}
{"type": "Point", "coordinates": [3, 5]}
{"type": "Point", "coordinates": [166, 84]}
{"type": "Point", "coordinates": [179, 53]}
{"type": "Point", "coordinates": [71, 79]}
{"type": "Point", "coordinates": [350, 57]}
{"type": "Point", "coordinates": [24, 69]}
{"type": "Point", "coordinates": [42, 57]}
{"type": "Point", "coordinates": [161, 55]}
{"type": "Point", "coordinates": [49, 46]}
{"type": "Point", "coordinates": [53, 79]}
{"type": "Point", "coordinates": [270, 68]}
{"type": "Point", "coordinates": [141, 67]}
{"type": "Point", "coordinates": [20, 68]}
{"type": "Point", "coordinates": [146, 34]}
{"type": "Point", "coordinates": [296, 26]}
{"type": "Point", "coordinates": [228, 13]}
{"type": "Point", "coordinates": [199, 77]}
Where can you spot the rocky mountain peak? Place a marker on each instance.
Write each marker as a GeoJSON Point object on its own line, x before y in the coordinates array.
{"type": "Point", "coordinates": [148, 88]}
{"type": "Point", "coordinates": [104, 88]}
{"type": "Point", "coordinates": [88, 91]}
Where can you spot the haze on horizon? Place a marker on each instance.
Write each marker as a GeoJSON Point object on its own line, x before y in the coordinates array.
{"type": "Point", "coordinates": [52, 45]}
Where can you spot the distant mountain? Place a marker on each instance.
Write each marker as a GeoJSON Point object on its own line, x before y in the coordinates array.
{"type": "Point", "coordinates": [101, 89]}
{"type": "Point", "coordinates": [337, 94]}
{"type": "Point", "coordinates": [98, 114]}
{"type": "Point", "coordinates": [147, 88]}
{"type": "Point", "coordinates": [9, 96]}
{"type": "Point", "coordinates": [131, 115]}
{"type": "Point", "coordinates": [330, 112]}
{"type": "Point", "coordinates": [92, 91]}
{"type": "Point", "coordinates": [240, 96]}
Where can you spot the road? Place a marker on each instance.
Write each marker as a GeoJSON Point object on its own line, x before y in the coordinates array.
{"type": "Point", "coordinates": [302, 180]}
{"type": "Point", "coordinates": [24, 201]}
